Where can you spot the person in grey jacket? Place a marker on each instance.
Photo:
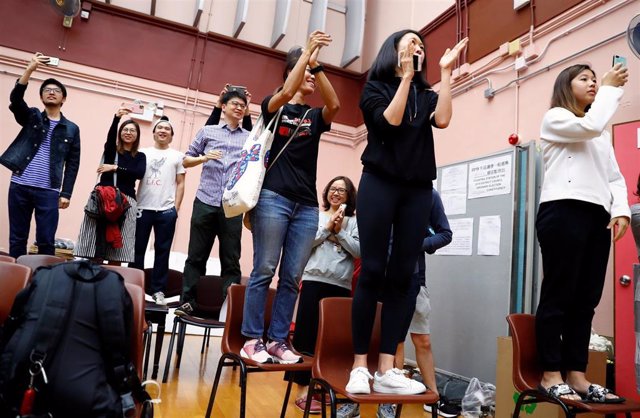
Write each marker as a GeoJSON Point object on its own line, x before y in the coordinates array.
{"type": "Point", "coordinates": [328, 272]}
{"type": "Point", "coordinates": [44, 159]}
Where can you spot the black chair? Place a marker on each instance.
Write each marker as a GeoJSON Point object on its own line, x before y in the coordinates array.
{"type": "Point", "coordinates": [174, 285]}
{"type": "Point", "coordinates": [209, 301]}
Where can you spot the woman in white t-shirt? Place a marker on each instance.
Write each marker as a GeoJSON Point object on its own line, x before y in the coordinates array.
{"type": "Point", "coordinates": [160, 194]}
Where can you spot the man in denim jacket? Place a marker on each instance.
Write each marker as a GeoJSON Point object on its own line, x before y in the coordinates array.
{"type": "Point", "coordinates": [44, 159]}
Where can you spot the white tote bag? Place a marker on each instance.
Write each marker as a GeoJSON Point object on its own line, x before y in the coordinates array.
{"type": "Point", "coordinates": [245, 182]}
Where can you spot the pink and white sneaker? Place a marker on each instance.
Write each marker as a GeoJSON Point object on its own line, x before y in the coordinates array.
{"type": "Point", "coordinates": [281, 353]}
{"type": "Point", "coordinates": [255, 350]}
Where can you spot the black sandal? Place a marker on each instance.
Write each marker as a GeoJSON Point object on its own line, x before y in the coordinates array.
{"type": "Point", "coordinates": [558, 391]}
{"type": "Point", "coordinates": [598, 394]}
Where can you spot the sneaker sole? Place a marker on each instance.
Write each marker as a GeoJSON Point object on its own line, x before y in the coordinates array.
{"type": "Point", "coordinates": [359, 391]}
{"type": "Point", "coordinates": [393, 391]}
{"type": "Point", "coordinates": [243, 354]}
{"type": "Point", "coordinates": [280, 361]}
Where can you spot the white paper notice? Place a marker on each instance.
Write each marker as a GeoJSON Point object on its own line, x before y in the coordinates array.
{"type": "Point", "coordinates": [454, 178]}
{"type": "Point", "coordinates": [490, 177]}
{"type": "Point", "coordinates": [462, 238]}
{"type": "Point", "coordinates": [454, 203]}
{"type": "Point", "coordinates": [453, 189]}
{"type": "Point", "coordinates": [489, 235]}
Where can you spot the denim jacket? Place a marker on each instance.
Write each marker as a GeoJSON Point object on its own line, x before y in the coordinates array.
{"type": "Point", "coordinates": [65, 143]}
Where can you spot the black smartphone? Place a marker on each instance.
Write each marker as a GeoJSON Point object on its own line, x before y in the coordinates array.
{"type": "Point", "coordinates": [417, 63]}
{"type": "Point", "coordinates": [619, 59]}
{"type": "Point", "coordinates": [241, 89]}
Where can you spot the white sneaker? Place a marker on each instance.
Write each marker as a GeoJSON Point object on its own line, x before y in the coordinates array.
{"type": "Point", "coordinates": [394, 381]}
{"type": "Point", "coordinates": [359, 381]}
{"type": "Point", "coordinates": [159, 299]}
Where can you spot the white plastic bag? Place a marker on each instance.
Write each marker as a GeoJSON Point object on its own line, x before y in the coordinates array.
{"type": "Point", "coordinates": [477, 395]}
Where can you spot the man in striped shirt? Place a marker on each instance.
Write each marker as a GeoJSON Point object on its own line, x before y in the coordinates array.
{"type": "Point", "coordinates": [44, 159]}
{"type": "Point", "coordinates": [217, 147]}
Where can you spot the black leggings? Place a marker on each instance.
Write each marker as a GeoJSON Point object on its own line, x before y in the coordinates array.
{"type": "Point", "coordinates": [383, 203]}
{"type": "Point", "coordinates": [575, 244]}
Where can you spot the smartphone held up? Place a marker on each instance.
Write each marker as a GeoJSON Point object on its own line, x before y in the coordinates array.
{"type": "Point", "coordinates": [619, 59]}
{"type": "Point", "coordinates": [50, 61]}
{"type": "Point", "coordinates": [417, 62]}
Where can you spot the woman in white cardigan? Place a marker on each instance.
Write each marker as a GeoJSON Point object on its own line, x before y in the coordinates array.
{"type": "Point", "coordinates": [583, 199]}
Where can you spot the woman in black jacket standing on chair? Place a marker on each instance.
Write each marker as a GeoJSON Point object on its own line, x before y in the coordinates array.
{"type": "Point", "coordinates": [399, 110]}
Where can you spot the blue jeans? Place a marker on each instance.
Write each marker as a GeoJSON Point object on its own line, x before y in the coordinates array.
{"type": "Point", "coordinates": [283, 231]}
{"type": "Point", "coordinates": [163, 223]}
{"type": "Point", "coordinates": [23, 200]}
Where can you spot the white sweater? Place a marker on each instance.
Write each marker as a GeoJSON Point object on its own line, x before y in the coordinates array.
{"type": "Point", "coordinates": [578, 156]}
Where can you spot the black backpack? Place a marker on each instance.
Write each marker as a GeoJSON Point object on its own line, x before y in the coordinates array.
{"type": "Point", "coordinates": [65, 347]}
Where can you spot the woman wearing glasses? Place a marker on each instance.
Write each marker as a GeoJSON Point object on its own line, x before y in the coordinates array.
{"type": "Point", "coordinates": [328, 272]}
{"type": "Point", "coordinates": [97, 240]}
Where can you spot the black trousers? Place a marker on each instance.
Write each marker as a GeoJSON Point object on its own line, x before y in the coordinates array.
{"type": "Point", "coordinates": [575, 244]}
{"type": "Point", "coordinates": [207, 223]}
{"type": "Point", "coordinates": [383, 203]}
{"type": "Point", "coordinates": [308, 317]}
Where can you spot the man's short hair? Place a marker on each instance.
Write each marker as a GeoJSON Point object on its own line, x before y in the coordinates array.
{"type": "Point", "coordinates": [232, 95]}
{"type": "Point", "coordinates": [53, 81]}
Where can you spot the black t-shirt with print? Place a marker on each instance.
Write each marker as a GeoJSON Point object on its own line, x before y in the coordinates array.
{"type": "Point", "coordinates": [294, 173]}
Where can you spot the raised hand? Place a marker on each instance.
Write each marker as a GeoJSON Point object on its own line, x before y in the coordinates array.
{"type": "Point", "coordinates": [451, 54]}
{"type": "Point", "coordinates": [123, 110]}
{"type": "Point", "coordinates": [616, 77]}
{"type": "Point", "coordinates": [405, 59]}
{"type": "Point", "coordinates": [222, 93]}
{"type": "Point", "coordinates": [317, 40]}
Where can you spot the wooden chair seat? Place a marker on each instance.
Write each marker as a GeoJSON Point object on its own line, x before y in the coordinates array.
{"type": "Point", "coordinates": [527, 375]}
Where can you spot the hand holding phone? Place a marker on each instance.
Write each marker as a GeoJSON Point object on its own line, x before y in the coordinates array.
{"type": "Point", "coordinates": [134, 107]}
{"type": "Point", "coordinates": [53, 61]}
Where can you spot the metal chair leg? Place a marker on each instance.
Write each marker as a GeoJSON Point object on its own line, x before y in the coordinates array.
{"type": "Point", "coordinates": [169, 351]}
{"type": "Point", "coordinates": [182, 333]}
{"type": "Point", "coordinates": [214, 389]}
{"type": "Point", "coordinates": [147, 349]}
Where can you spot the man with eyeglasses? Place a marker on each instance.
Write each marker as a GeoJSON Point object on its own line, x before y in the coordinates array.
{"type": "Point", "coordinates": [44, 159]}
{"type": "Point", "coordinates": [217, 147]}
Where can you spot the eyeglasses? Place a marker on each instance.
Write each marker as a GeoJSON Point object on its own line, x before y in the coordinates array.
{"type": "Point", "coordinates": [52, 90]}
{"type": "Point", "coordinates": [129, 131]}
{"type": "Point", "coordinates": [238, 104]}
{"type": "Point", "coordinates": [339, 190]}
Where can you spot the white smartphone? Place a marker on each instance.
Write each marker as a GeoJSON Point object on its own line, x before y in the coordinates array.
{"type": "Point", "coordinates": [52, 61]}
{"type": "Point", "coordinates": [343, 207]}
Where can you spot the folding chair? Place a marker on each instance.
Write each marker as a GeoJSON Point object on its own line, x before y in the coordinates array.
{"type": "Point", "coordinates": [333, 361]}
{"type": "Point", "coordinates": [209, 301]}
{"type": "Point", "coordinates": [232, 342]}
{"type": "Point", "coordinates": [527, 375]}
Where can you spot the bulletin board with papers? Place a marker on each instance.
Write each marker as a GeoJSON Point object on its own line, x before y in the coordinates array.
{"type": "Point", "coordinates": [478, 279]}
